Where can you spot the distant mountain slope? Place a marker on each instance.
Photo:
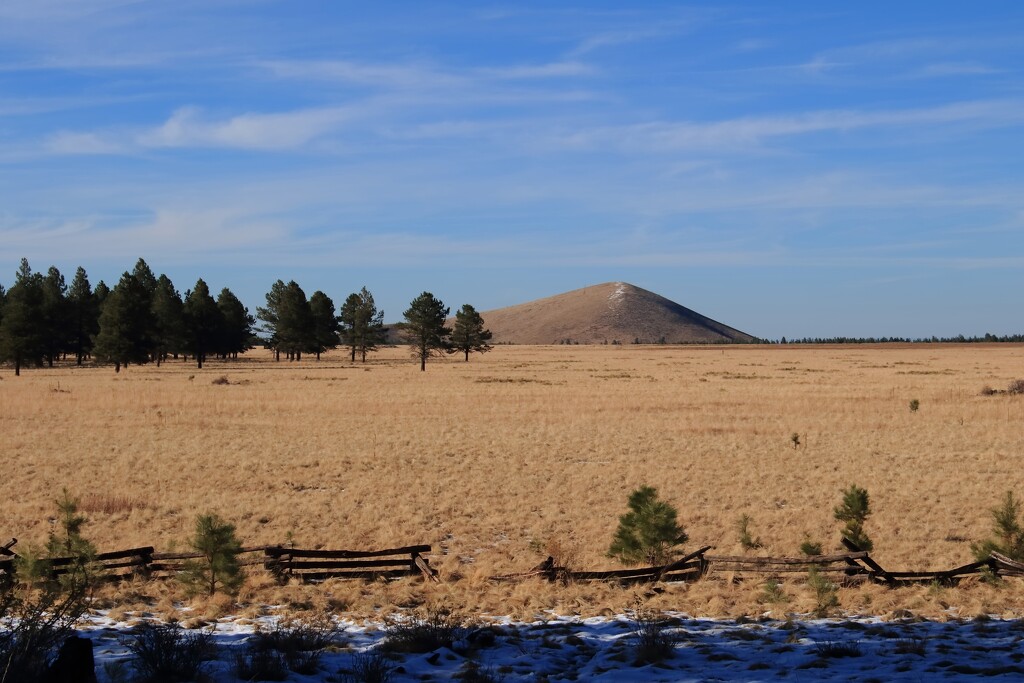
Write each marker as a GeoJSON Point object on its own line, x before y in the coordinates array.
{"type": "Point", "coordinates": [613, 311]}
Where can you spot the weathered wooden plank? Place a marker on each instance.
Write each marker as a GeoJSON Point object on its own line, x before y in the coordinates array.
{"type": "Point", "coordinates": [870, 563]}
{"type": "Point", "coordinates": [1007, 562]}
{"type": "Point", "coordinates": [341, 554]}
{"type": "Point", "coordinates": [369, 576]}
{"type": "Point", "coordinates": [809, 560]}
{"type": "Point", "coordinates": [296, 565]}
{"type": "Point", "coordinates": [782, 569]}
{"type": "Point", "coordinates": [159, 557]}
{"type": "Point", "coordinates": [5, 549]}
{"type": "Point", "coordinates": [423, 565]}
{"type": "Point", "coordinates": [683, 561]}
{"type": "Point", "coordinates": [972, 568]}
{"type": "Point", "coordinates": [121, 554]}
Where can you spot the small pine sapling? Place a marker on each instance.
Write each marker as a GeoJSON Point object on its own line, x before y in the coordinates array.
{"type": "Point", "coordinates": [795, 439]}
{"type": "Point", "coordinates": [810, 547]}
{"type": "Point", "coordinates": [218, 567]}
{"type": "Point", "coordinates": [1008, 532]}
{"type": "Point", "coordinates": [853, 512]}
{"type": "Point", "coordinates": [743, 529]}
{"type": "Point", "coordinates": [648, 532]}
{"type": "Point", "coordinates": [825, 596]}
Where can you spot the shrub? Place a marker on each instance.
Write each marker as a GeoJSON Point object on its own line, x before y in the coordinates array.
{"type": "Point", "coordinates": [653, 633]}
{"type": "Point", "coordinates": [772, 593]}
{"type": "Point", "coordinates": [256, 664]}
{"type": "Point", "coordinates": [648, 532]}
{"type": "Point", "coordinates": [810, 547]}
{"type": "Point", "coordinates": [218, 568]}
{"type": "Point", "coordinates": [854, 511]}
{"type": "Point", "coordinates": [1008, 532]}
{"type": "Point", "coordinates": [36, 622]}
{"type": "Point", "coordinates": [166, 653]}
{"type": "Point", "coordinates": [828, 649]}
{"type": "Point", "coordinates": [297, 644]}
{"type": "Point", "coordinates": [743, 529]}
{"type": "Point", "coordinates": [437, 627]}
{"type": "Point", "coordinates": [1016, 387]}
{"type": "Point", "coordinates": [370, 667]}
{"type": "Point", "coordinates": [795, 439]}
{"type": "Point", "coordinates": [914, 405]}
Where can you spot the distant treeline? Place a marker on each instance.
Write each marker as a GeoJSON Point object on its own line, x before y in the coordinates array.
{"type": "Point", "coordinates": [959, 339]}
{"type": "Point", "coordinates": [143, 318]}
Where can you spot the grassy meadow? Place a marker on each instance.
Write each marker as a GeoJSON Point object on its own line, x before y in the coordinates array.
{"type": "Point", "coordinates": [527, 451]}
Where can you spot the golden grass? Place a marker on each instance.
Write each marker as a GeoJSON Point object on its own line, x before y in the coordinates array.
{"type": "Point", "coordinates": [495, 461]}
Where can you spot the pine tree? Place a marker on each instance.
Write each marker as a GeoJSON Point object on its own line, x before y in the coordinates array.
{"type": "Point", "coordinates": [325, 323]}
{"type": "Point", "coordinates": [271, 316]}
{"type": "Point", "coordinates": [236, 335]}
{"type": "Point", "coordinates": [21, 338]}
{"type": "Point", "coordinates": [218, 567]}
{"type": "Point", "coordinates": [468, 334]}
{"type": "Point", "coordinates": [295, 322]}
{"type": "Point", "coordinates": [69, 542]}
{"type": "Point", "coordinates": [424, 327]}
{"type": "Point", "coordinates": [854, 511]}
{"type": "Point", "coordinates": [362, 324]}
{"type": "Point", "coordinates": [126, 322]}
{"type": "Point", "coordinates": [55, 313]}
{"type": "Point", "coordinates": [1008, 532]}
{"type": "Point", "coordinates": [83, 315]}
{"type": "Point", "coordinates": [203, 322]}
{"type": "Point", "coordinates": [168, 320]}
{"type": "Point", "coordinates": [648, 532]}
{"type": "Point", "coordinates": [100, 294]}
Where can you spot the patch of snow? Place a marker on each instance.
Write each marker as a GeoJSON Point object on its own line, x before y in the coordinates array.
{"type": "Point", "coordinates": [603, 649]}
{"type": "Point", "coordinates": [620, 291]}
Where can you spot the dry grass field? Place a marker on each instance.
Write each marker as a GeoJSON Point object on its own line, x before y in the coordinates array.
{"type": "Point", "coordinates": [496, 461]}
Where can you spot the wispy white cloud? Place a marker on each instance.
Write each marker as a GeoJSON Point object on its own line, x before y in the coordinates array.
{"type": "Point", "coordinates": [186, 127]}
{"type": "Point", "coordinates": [945, 69]}
{"type": "Point", "coordinates": [67, 142]}
{"type": "Point", "coordinates": [746, 131]}
{"type": "Point", "coordinates": [417, 76]}
{"type": "Point", "coordinates": [402, 76]}
{"type": "Point", "coordinates": [278, 131]}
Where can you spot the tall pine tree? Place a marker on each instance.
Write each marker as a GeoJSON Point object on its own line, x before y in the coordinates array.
{"type": "Point", "coordinates": [236, 331]}
{"type": "Point", "coordinates": [468, 333]}
{"type": "Point", "coordinates": [362, 324]}
{"type": "Point", "coordinates": [168, 320]}
{"type": "Point", "coordinates": [126, 322]}
{"type": "Point", "coordinates": [21, 339]}
{"type": "Point", "coordinates": [203, 322]}
{"type": "Point", "coordinates": [425, 329]}
{"type": "Point", "coordinates": [84, 316]}
{"type": "Point", "coordinates": [55, 324]}
{"type": "Point", "coordinates": [325, 323]}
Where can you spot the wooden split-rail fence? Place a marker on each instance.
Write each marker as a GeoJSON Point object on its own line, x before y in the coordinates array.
{"type": "Point", "coordinates": [285, 562]}
{"type": "Point", "coordinates": [850, 567]}
{"type": "Point", "coordinates": [302, 564]}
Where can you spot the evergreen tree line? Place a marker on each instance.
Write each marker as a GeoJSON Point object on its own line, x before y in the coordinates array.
{"type": "Point", "coordinates": [142, 319]}
{"type": "Point", "coordinates": [145, 319]}
{"type": "Point", "coordinates": [988, 338]}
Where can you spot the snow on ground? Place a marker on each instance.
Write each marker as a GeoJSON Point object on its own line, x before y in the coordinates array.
{"type": "Point", "coordinates": [862, 649]}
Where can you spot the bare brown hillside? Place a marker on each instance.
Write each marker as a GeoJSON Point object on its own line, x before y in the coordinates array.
{"type": "Point", "coordinates": [609, 312]}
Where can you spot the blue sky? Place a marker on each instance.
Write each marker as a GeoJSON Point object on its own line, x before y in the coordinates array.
{"type": "Point", "coordinates": [788, 168]}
